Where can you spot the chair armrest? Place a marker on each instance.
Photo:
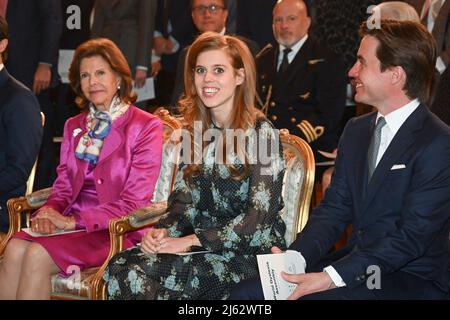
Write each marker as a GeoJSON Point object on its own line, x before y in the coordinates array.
{"type": "Point", "coordinates": [17, 206]}
{"type": "Point", "coordinates": [135, 220]}
{"type": "Point", "coordinates": [38, 198]}
{"type": "Point", "coordinates": [148, 215]}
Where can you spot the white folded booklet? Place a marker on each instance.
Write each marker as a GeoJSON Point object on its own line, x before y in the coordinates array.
{"type": "Point", "coordinates": [56, 233]}
{"type": "Point", "coordinates": [270, 267]}
{"type": "Point", "coordinates": [147, 92]}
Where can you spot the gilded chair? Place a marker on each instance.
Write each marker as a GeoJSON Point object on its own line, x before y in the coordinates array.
{"type": "Point", "coordinates": [298, 183]}
{"type": "Point", "coordinates": [297, 190]}
{"type": "Point", "coordinates": [85, 285]}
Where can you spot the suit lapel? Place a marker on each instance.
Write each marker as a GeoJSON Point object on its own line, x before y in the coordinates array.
{"type": "Point", "coordinates": [81, 165]}
{"type": "Point", "coordinates": [269, 65]}
{"type": "Point", "coordinates": [269, 77]}
{"type": "Point", "coordinates": [404, 138]}
{"type": "Point", "coordinates": [4, 76]}
{"type": "Point", "coordinates": [115, 137]}
{"type": "Point", "coordinates": [361, 158]}
{"type": "Point", "coordinates": [113, 141]}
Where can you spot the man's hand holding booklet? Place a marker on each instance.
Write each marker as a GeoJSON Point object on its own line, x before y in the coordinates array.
{"type": "Point", "coordinates": [270, 267]}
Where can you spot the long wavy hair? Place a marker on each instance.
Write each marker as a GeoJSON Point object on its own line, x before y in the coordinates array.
{"type": "Point", "coordinates": [106, 49]}
{"type": "Point", "coordinates": [244, 113]}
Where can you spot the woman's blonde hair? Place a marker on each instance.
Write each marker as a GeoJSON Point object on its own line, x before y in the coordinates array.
{"type": "Point", "coordinates": [244, 111]}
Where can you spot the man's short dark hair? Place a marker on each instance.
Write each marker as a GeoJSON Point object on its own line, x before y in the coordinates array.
{"type": "Point", "coordinates": [3, 33]}
{"type": "Point", "coordinates": [225, 3]}
{"type": "Point", "coordinates": [409, 45]}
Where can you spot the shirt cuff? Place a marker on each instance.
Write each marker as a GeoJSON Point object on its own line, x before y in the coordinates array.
{"type": "Point", "coordinates": [440, 65]}
{"type": "Point", "coordinates": [46, 64]}
{"type": "Point", "coordinates": [141, 68]}
{"type": "Point", "coordinates": [156, 34]}
{"type": "Point", "coordinates": [335, 277]}
{"type": "Point", "coordinates": [176, 44]}
{"type": "Point", "coordinates": [155, 57]}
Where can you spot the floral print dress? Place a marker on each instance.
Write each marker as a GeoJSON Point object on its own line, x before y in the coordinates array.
{"type": "Point", "coordinates": [234, 220]}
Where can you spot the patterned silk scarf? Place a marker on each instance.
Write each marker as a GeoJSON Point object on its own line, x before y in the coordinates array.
{"type": "Point", "coordinates": [98, 125]}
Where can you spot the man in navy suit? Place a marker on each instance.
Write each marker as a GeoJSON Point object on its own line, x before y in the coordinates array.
{"type": "Point", "coordinates": [391, 182]}
{"type": "Point", "coordinates": [20, 133]}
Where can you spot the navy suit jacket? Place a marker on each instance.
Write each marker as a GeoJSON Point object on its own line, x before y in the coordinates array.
{"type": "Point", "coordinates": [400, 218]}
{"type": "Point", "coordinates": [35, 28]}
{"type": "Point", "coordinates": [20, 139]}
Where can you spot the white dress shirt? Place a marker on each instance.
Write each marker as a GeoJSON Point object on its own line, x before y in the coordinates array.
{"type": "Point", "coordinates": [291, 55]}
{"type": "Point", "coordinates": [394, 121]}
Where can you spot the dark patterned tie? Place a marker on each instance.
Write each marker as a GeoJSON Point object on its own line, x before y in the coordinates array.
{"type": "Point", "coordinates": [374, 146]}
{"type": "Point", "coordinates": [285, 62]}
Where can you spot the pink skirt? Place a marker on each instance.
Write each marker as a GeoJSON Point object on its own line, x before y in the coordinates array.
{"type": "Point", "coordinates": [85, 250]}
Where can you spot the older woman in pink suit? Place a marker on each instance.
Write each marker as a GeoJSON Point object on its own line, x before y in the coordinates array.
{"type": "Point", "coordinates": [110, 162]}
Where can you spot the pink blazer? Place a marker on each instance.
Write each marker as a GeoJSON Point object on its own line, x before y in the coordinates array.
{"type": "Point", "coordinates": [125, 175]}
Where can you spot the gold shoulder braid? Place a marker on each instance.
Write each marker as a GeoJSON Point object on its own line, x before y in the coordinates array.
{"type": "Point", "coordinates": [265, 106]}
{"type": "Point", "coordinates": [311, 133]}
